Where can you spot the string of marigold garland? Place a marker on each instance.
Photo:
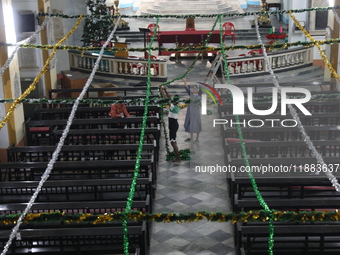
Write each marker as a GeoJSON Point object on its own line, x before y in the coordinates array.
{"type": "Point", "coordinates": [36, 79]}
{"type": "Point", "coordinates": [106, 102]}
{"type": "Point", "coordinates": [177, 49]}
{"type": "Point", "coordinates": [249, 216]}
{"type": "Point", "coordinates": [235, 14]}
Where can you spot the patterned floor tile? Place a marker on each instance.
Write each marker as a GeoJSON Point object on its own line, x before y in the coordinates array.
{"type": "Point", "coordinates": [177, 207]}
{"type": "Point", "coordinates": [191, 201]}
{"type": "Point", "coordinates": [220, 235]}
{"type": "Point", "coordinates": [165, 201]}
{"type": "Point", "coordinates": [161, 249]}
{"type": "Point", "coordinates": [162, 235]}
{"type": "Point", "coordinates": [221, 249]}
{"type": "Point", "coordinates": [177, 242]}
{"type": "Point", "coordinates": [180, 188]}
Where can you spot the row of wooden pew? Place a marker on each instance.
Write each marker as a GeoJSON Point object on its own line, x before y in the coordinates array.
{"type": "Point", "coordinates": [40, 128]}
{"type": "Point", "coordinates": [93, 174]}
{"type": "Point", "coordinates": [287, 175]}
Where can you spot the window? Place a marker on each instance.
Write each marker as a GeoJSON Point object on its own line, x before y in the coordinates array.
{"type": "Point", "coordinates": [26, 22]}
{"type": "Point", "coordinates": [321, 20]}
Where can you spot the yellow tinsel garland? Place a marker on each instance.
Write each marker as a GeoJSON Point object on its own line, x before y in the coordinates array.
{"type": "Point", "coordinates": [36, 79]}
{"type": "Point", "coordinates": [317, 44]}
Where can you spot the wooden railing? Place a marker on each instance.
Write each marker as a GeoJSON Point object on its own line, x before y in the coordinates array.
{"type": "Point", "coordinates": [131, 67]}
{"type": "Point", "coordinates": [281, 60]}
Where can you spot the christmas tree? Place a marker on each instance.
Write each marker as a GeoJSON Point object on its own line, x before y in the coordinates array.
{"type": "Point", "coordinates": [99, 25]}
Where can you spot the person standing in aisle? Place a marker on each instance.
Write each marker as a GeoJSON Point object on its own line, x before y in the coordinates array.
{"type": "Point", "coordinates": [193, 122]}
{"type": "Point", "coordinates": [173, 121]}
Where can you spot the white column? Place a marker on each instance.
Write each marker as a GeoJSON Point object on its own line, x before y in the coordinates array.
{"type": "Point", "coordinates": [295, 36]}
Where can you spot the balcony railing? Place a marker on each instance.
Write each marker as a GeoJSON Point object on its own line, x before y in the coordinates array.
{"type": "Point", "coordinates": [279, 61]}
{"type": "Point", "coordinates": [131, 67]}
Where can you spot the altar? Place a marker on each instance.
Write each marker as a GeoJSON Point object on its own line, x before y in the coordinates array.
{"type": "Point", "coordinates": [187, 38]}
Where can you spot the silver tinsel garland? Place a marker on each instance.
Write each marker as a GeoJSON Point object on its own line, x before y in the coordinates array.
{"type": "Point", "coordinates": [294, 114]}
{"type": "Point", "coordinates": [60, 144]}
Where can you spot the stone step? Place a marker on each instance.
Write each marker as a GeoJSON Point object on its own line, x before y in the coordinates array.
{"type": "Point", "coordinates": [193, 9]}
{"type": "Point", "coordinates": [187, 7]}
{"type": "Point", "coordinates": [147, 7]}
{"type": "Point", "coordinates": [182, 12]}
{"type": "Point", "coordinates": [191, 5]}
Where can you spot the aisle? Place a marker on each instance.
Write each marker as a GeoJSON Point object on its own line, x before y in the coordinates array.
{"type": "Point", "coordinates": [181, 189]}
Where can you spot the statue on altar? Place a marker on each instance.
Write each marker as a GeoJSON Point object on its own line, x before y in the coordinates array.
{"type": "Point", "coordinates": [263, 19]}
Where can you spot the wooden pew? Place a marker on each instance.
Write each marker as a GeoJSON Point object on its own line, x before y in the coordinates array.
{"type": "Point", "coordinates": [280, 193]}
{"type": "Point", "coordinates": [77, 239]}
{"type": "Point", "coordinates": [266, 95]}
{"type": "Point", "coordinates": [274, 120]}
{"type": "Point", "coordinates": [74, 207]}
{"type": "Point", "coordinates": [49, 125]}
{"type": "Point", "coordinates": [64, 92]}
{"type": "Point", "coordinates": [286, 149]}
{"type": "Point", "coordinates": [307, 204]}
{"type": "Point", "coordinates": [293, 162]}
{"type": "Point", "coordinates": [82, 153]}
{"type": "Point", "coordinates": [67, 170]}
{"type": "Point", "coordinates": [89, 112]}
{"type": "Point", "coordinates": [275, 186]}
{"type": "Point", "coordinates": [282, 133]}
{"type": "Point", "coordinates": [110, 189]}
{"type": "Point", "coordinates": [314, 84]}
{"type": "Point", "coordinates": [290, 238]}
{"type": "Point", "coordinates": [107, 136]}
{"type": "Point", "coordinates": [313, 106]}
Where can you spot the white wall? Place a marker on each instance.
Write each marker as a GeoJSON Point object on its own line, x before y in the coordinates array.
{"type": "Point", "coordinates": [295, 36]}
{"type": "Point", "coordinates": [74, 7]}
{"type": "Point", "coordinates": [4, 141]}
{"type": "Point", "coordinates": [285, 6]}
{"type": "Point", "coordinates": [28, 5]}
{"type": "Point", "coordinates": [126, 4]}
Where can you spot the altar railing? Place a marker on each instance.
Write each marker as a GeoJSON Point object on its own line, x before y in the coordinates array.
{"type": "Point", "coordinates": [131, 67]}
{"type": "Point", "coordinates": [279, 61]}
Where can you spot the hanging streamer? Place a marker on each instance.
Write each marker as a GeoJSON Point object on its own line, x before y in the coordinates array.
{"type": "Point", "coordinates": [214, 91]}
{"type": "Point", "coordinates": [317, 44]}
{"type": "Point", "coordinates": [36, 79]}
{"type": "Point", "coordinates": [60, 144]}
{"type": "Point", "coordinates": [141, 142]}
{"type": "Point", "coordinates": [208, 92]}
{"type": "Point", "coordinates": [18, 46]}
{"type": "Point", "coordinates": [199, 48]}
{"type": "Point", "coordinates": [234, 14]}
{"type": "Point", "coordinates": [294, 114]}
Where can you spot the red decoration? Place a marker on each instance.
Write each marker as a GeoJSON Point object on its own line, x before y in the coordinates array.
{"type": "Point", "coordinates": [276, 36]}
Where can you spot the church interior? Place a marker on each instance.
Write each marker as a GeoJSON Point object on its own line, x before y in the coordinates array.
{"type": "Point", "coordinates": [88, 157]}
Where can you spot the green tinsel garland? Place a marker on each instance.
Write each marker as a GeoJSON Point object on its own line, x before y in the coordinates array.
{"type": "Point", "coordinates": [236, 14]}
{"type": "Point", "coordinates": [184, 154]}
{"type": "Point", "coordinates": [202, 48]}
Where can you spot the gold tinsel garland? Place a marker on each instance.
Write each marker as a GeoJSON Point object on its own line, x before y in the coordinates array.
{"type": "Point", "coordinates": [35, 81]}
{"type": "Point", "coordinates": [249, 216]}
{"type": "Point", "coordinates": [317, 44]}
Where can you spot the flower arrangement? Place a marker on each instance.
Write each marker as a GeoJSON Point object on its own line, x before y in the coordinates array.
{"type": "Point", "coordinates": [276, 36]}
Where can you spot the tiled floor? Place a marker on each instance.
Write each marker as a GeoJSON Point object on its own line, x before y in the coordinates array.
{"type": "Point", "coordinates": [181, 189]}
